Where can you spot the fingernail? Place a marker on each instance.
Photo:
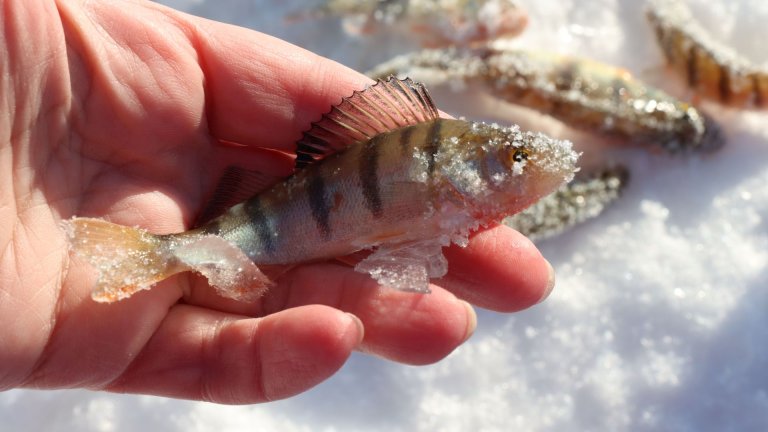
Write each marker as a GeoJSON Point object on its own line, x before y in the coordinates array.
{"type": "Point", "coordinates": [550, 282]}
{"type": "Point", "coordinates": [471, 320]}
{"type": "Point", "coordinates": [360, 328]}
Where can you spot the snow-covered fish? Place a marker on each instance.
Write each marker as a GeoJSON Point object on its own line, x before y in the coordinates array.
{"type": "Point", "coordinates": [433, 22]}
{"type": "Point", "coordinates": [582, 93]}
{"type": "Point", "coordinates": [711, 68]}
{"type": "Point", "coordinates": [380, 170]}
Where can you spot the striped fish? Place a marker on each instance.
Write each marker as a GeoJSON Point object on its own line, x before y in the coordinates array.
{"type": "Point", "coordinates": [380, 171]}
{"type": "Point", "coordinates": [433, 23]}
{"type": "Point", "coordinates": [582, 93]}
{"type": "Point", "coordinates": [711, 68]}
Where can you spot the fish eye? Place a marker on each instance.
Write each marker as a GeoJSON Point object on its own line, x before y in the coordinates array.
{"type": "Point", "coordinates": [520, 155]}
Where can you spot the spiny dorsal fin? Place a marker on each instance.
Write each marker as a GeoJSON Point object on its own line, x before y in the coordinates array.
{"type": "Point", "coordinates": [236, 185]}
{"type": "Point", "coordinates": [385, 106]}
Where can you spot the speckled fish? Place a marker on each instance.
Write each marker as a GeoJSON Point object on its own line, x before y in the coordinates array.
{"type": "Point", "coordinates": [711, 68]}
{"type": "Point", "coordinates": [582, 93]}
{"type": "Point", "coordinates": [380, 171]}
{"type": "Point", "coordinates": [434, 23]}
{"type": "Point", "coordinates": [574, 203]}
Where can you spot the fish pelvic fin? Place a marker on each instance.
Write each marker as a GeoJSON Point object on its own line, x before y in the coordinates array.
{"type": "Point", "coordinates": [389, 104]}
{"type": "Point", "coordinates": [227, 268]}
{"type": "Point", "coordinates": [406, 266]}
{"type": "Point", "coordinates": [127, 259]}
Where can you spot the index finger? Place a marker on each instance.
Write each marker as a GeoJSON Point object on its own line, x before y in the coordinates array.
{"type": "Point", "coordinates": [264, 91]}
{"type": "Point", "coordinates": [500, 269]}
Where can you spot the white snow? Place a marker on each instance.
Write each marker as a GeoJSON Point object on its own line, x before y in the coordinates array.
{"type": "Point", "coordinates": [659, 320]}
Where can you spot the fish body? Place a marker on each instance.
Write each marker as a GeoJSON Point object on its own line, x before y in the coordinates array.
{"type": "Point", "coordinates": [404, 191]}
{"type": "Point", "coordinates": [584, 94]}
{"type": "Point", "coordinates": [435, 23]}
{"type": "Point", "coordinates": [712, 69]}
{"type": "Point", "coordinates": [414, 182]}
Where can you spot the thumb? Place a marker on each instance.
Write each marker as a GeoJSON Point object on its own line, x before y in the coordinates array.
{"type": "Point", "coordinates": [202, 354]}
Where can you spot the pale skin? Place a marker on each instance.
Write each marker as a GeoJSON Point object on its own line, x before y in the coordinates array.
{"type": "Point", "coordinates": [124, 110]}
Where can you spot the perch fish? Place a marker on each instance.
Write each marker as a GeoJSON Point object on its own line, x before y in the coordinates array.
{"type": "Point", "coordinates": [582, 93]}
{"type": "Point", "coordinates": [379, 171]}
{"type": "Point", "coordinates": [433, 23]}
{"type": "Point", "coordinates": [712, 69]}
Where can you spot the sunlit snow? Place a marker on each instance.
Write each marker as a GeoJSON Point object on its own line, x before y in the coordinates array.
{"type": "Point", "coordinates": [659, 320]}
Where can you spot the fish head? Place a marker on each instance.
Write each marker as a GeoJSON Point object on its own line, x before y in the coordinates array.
{"type": "Point", "coordinates": [502, 170]}
{"type": "Point", "coordinates": [706, 133]}
{"type": "Point", "coordinates": [691, 131]}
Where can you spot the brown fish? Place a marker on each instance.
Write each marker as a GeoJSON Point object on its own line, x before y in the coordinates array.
{"type": "Point", "coordinates": [432, 23]}
{"type": "Point", "coordinates": [711, 68]}
{"type": "Point", "coordinates": [584, 94]}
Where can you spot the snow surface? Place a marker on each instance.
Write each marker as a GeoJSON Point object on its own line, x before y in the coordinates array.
{"type": "Point", "coordinates": [659, 320]}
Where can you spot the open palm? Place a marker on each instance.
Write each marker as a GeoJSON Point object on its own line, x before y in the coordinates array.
{"type": "Point", "coordinates": [131, 111]}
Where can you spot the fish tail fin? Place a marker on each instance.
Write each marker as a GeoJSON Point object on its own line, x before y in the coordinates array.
{"type": "Point", "coordinates": [132, 259]}
{"type": "Point", "coordinates": [127, 259]}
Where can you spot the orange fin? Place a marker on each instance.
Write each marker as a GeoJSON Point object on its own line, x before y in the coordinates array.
{"type": "Point", "coordinates": [132, 259]}
{"type": "Point", "coordinates": [127, 259]}
{"type": "Point", "coordinates": [236, 185]}
{"type": "Point", "coordinates": [385, 106]}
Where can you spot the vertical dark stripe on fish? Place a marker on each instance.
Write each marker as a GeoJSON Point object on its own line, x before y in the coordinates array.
{"type": "Point", "coordinates": [565, 76]}
{"type": "Point", "coordinates": [405, 140]}
{"type": "Point", "coordinates": [369, 175]}
{"type": "Point", "coordinates": [318, 203]}
{"type": "Point", "coordinates": [692, 72]}
{"type": "Point", "coordinates": [666, 45]}
{"type": "Point", "coordinates": [757, 91]}
{"type": "Point", "coordinates": [433, 145]}
{"type": "Point", "coordinates": [724, 84]}
{"type": "Point", "coordinates": [618, 95]}
{"type": "Point", "coordinates": [213, 227]}
{"type": "Point", "coordinates": [259, 219]}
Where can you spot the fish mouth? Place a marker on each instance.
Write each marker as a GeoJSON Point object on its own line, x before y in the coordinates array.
{"type": "Point", "coordinates": [713, 138]}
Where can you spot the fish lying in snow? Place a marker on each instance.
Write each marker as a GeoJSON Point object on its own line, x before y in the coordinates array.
{"type": "Point", "coordinates": [380, 171]}
{"type": "Point", "coordinates": [711, 68]}
{"type": "Point", "coordinates": [576, 202]}
{"type": "Point", "coordinates": [434, 23]}
{"type": "Point", "coordinates": [582, 93]}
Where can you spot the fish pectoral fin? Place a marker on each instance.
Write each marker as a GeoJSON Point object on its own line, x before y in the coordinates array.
{"type": "Point", "coordinates": [406, 266]}
{"type": "Point", "coordinates": [227, 268]}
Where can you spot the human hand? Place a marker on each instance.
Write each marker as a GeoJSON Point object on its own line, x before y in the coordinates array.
{"type": "Point", "coordinates": [131, 111]}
